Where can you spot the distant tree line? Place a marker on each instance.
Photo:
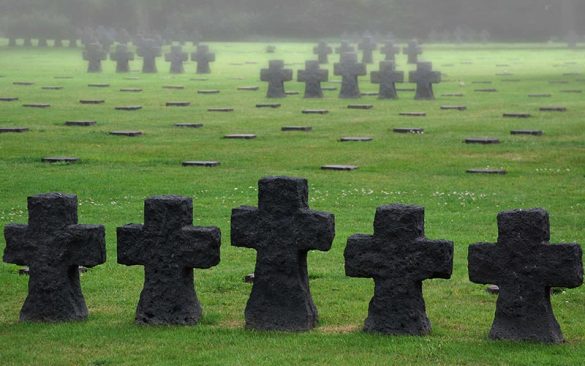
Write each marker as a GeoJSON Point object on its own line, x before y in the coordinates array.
{"type": "Point", "coordinates": [531, 20]}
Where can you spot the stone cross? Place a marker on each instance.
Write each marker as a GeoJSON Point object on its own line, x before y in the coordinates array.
{"type": "Point", "coordinates": [424, 77]}
{"type": "Point", "coordinates": [149, 50]}
{"type": "Point", "coordinates": [53, 246]}
{"type": "Point", "coordinates": [177, 57]}
{"type": "Point", "coordinates": [398, 257]}
{"type": "Point", "coordinates": [387, 77]}
{"type": "Point", "coordinates": [390, 50]}
{"type": "Point", "coordinates": [122, 56]}
{"type": "Point", "coordinates": [323, 51]}
{"type": "Point", "coordinates": [94, 54]}
{"type": "Point", "coordinates": [412, 50]}
{"type": "Point", "coordinates": [276, 75]}
{"type": "Point", "coordinates": [344, 48]}
{"type": "Point", "coordinates": [168, 247]}
{"type": "Point", "coordinates": [203, 57]}
{"type": "Point", "coordinates": [312, 76]}
{"type": "Point", "coordinates": [349, 70]}
{"type": "Point", "coordinates": [368, 45]}
{"type": "Point", "coordinates": [525, 266]}
{"type": "Point", "coordinates": [281, 230]}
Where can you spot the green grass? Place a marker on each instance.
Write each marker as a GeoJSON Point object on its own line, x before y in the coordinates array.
{"type": "Point", "coordinates": [117, 173]}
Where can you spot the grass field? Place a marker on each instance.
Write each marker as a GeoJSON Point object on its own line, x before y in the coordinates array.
{"type": "Point", "coordinates": [116, 174]}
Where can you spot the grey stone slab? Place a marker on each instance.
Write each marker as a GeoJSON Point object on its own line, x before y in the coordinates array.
{"type": "Point", "coordinates": [315, 111]}
{"type": "Point", "coordinates": [208, 91]}
{"type": "Point", "coordinates": [128, 108]}
{"type": "Point", "coordinates": [516, 115]}
{"type": "Point", "coordinates": [189, 125]}
{"type": "Point", "coordinates": [63, 77]}
{"type": "Point", "coordinates": [226, 109]}
{"type": "Point", "coordinates": [206, 164]}
{"type": "Point", "coordinates": [8, 99]}
{"type": "Point", "coordinates": [297, 128]}
{"type": "Point", "coordinates": [339, 167]}
{"type": "Point", "coordinates": [51, 87]}
{"type": "Point", "coordinates": [92, 101]}
{"type": "Point", "coordinates": [99, 85]}
{"type": "Point", "coordinates": [268, 105]}
{"type": "Point", "coordinates": [413, 130]}
{"type": "Point", "coordinates": [482, 140]}
{"type": "Point", "coordinates": [572, 91]}
{"type": "Point", "coordinates": [413, 114]}
{"type": "Point", "coordinates": [356, 139]}
{"type": "Point", "coordinates": [553, 109]}
{"type": "Point", "coordinates": [23, 83]}
{"type": "Point", "coordinates": [527, 132]}
{"type": "Point", "coordinates": [127, 133]}
{"type": "Point", "coordinates": [173, 87]}
{"type": "Point", "coordinates": [240, 136]}
{"type": "Point", "coordinates": [543, 95]}
{"type": "Point", "coordinates": [178, 104]}
{"type": "Point", "coordinates": [360, 106]}
{"type": "Point", "coordinates": [60, 159]}
{"type": "Point", "coordinates": [453, 107]}
{"type": "Point", "coordinates": [13, 129]}
{"type": "Point", "coordinates": [36, 105]}
{"type": "Point", "coordinates": [131, 90]}
{"type": "Point", "coordinates": [487, 171]}
{"type": "Point", "coordinates": [80, 123]}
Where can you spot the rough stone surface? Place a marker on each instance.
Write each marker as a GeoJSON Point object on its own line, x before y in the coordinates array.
{"type": "Point", "coordinates": [315, 111]}
{"type": "Point", "coordinates": [460, 108]}
{"type": "Point", "coordinates": [122, 56]}
{"type": "Point", "coordinates": [414, 130]}
{"type": "Point", "coordinates": [525, 266]}
{"type": "Point", "coordinates": [177, 57]}
{"type": "Point", "coordinates": [313, 76]}
{"type": "Point", "coordinates": [387, 77]}
{"type": "Point", "coordinates": [128, 108]}
{"type": "Point", "coordinates": [8, 99]}
{"type": "Point", "coordinates": [367, 46]}
{"type": "Point", "coordinates": [53, 245]}
{"type": "Point", "coordinates": [527, 132]}
{"type": "Point", "coordinates": [297, 128]}
{"type": "Point", "coordinates": [268, 105]}
{"type": "Point", "coordinates": [323, 50]}
{"type": "Point", "coordinates": [425, 77]}
{"type": "Point", "coordinates": [398, 257]}
{"type": "Point", "coordinates": [189, 125]}
{"type": "Point", "coordinates": [149, 50]}
{"type": "Point", "coordinates": [349, 70]}
{"type": "Point", "coordinates": [282, 230]}
{"type": "Point", "coordinates": [240, 136]}
{"type": "Point", "coordinates": [203, 58]}
{"type": "Point", "coordinates": [276, 75]}
{"type": "Point", "coordinates": [337, 167]}
{"type": "Point", "coordinates": [413, 50]}
{"type": "Point", "coordinates": [92, 101]}
{"type": "Point", "coordinates": [390, 50]}
{"type": "Point", "coordinates": [168, 247]}
{"type": "Point", "coordinates": [60, 159]}
{"type": "Point", "coordinates": [482, 140]}
{"type": "Point", "coordinates": [36, 105]}
{"type": "Point", "coordinates": [360, 106]}
{"type": "Point", "coordinates": [94, 54]}
{"type": "Point", "coordinates": [127, 133]}
{"type": "Point", "coordinates": [13, 129]}
{"type": "Point", "coordinates": [178, 104]}
{"type": "Point", "coordinates": [80, 123]}
{"type": "Point", "coordinates": [487, 171]}
{"type": "Point", "coordinates": [517, 115]}
{"type": "Point", "coordinates": [201, 163]}
{"type": "Point", "coordinates": [553, 109]}
{"type": "Point", "coordinates": [224, 109]}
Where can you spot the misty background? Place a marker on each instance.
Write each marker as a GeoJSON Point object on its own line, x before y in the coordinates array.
{"type": "Point", "coordinates": [505, 20]}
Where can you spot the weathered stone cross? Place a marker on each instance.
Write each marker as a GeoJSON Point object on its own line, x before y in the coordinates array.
{"type": "Point", "coordinates": [525, 266]}
{"type": "Point", "coordinates": [94, 54]}
{"type": "Point", "coordinates": [203, 57]}
{"type": "Point", "coordinates": [323, 51]}
{"type": "Point", "coordinates": [282, 230]}
{"type": "Point", "coordinates": [398, 257]}
{"type": "Point", "coordinates": [149, 50]}
{"type": "Point", "coordinates": [387, 77]}
{"type": "Point", "coordinates": [349, 70]}
{"type": "Point", "coordinates": [312, 76]}
{"type": "Point", "coordinates": [368, 45]}
{"type": "Point", "coordinates": [53, 245]}
{"type": "Point", "coordinates": [168, 247]}
{"type": "Point", "coordinates": [177, 57]}
{"type": "Point", "coordinates": [122, 56]}
{"type": "Point", "coordinates": [390, 50]}
{"type": "Point", "coordinates": [276, 75]}
{"type": "Point", "coordinates": [412, 50]}
{"type": "Point", "coordinates": [424, 77]}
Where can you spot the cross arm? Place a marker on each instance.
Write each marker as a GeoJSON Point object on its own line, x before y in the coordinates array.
{"type": "Point", "coordinates": [200, 246]}
{"type": "Point", "coordinates": [398, 76]}
{"type": "Point", "coordinates": [18, 247]}
{"type": "Point", "coordinates": [314, 230]}
{"type": "Point", "coordinates": [375, 77]}
{"type": "Point", "coordinates": [130, 249]}
{"type": "Point", "coordinates": [437, 258]}
{"type": "Point", "coordinates": [361, 257]}
{"type": "Point", "coordinates": [482, 263]}
{"type": "Point", "coordinates": [87, 244]}
{"type": "Point", "coordinates": [412, 76]}
{"type": "Point", "coordinates": [287, 74]}
{"type": "Point", "coordinates": [211, 57]}
{"type": "Point", "coordinates": [244, 227]}
{"type": "Point", "coordinates": [562, 265]}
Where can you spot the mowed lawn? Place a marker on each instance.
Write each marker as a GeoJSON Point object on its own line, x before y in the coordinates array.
{"type": "Point", "coordinates": [116, 174]}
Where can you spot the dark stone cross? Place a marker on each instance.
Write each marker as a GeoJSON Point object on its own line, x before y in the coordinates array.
{"type": "Point", "coordinates": [387, 77]}
{"type": "Point", "coordinates": [525, 266]}
{"type": "Point", "coordinates": [53, 246]}
{"type": "Point", "coordinates": [94, 54]}
{"type": "Point", "coordinates": [312, 76]}
{"type": "Point", "coordinates": [282, 230]}
{"type": "Point", "coordinates": [412, 50]}
{"type": "Point", "coordinates": [177, 57]}
{"type": "Point", "coordinates": [390, 50]}
{"type": "Point", "coordinates": [122, 56]}
{"type": "Point", "coordinates": [368, 45]}
{"type": "Point", "coordinates": [424, 77]}
{"type": "Point", "coordinates": [322, 50]}
{"type": "Point", "coordinates": [203, 57]}
{"type": "Point", "coordinates": [349, 69]}
{"type": "Point", "coordinates": [398, 257]}
{"type": "Point", "coordinates": [168, 247]}
{"type": "Point", "coordinates": [344, 48]}
{"type": "Point", "coordinates": [276, 75]}
{"type": "Point", "coordinates": [149, 50]}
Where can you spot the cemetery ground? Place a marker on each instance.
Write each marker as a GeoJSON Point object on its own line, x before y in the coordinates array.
{"type": "Point", "coordinates": [116, 173]}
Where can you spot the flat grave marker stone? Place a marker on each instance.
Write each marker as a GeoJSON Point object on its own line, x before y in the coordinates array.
{"type": "Point", "coordinates": [92, 101]}
{"type": "Point", "coordinates": [527, 132]}
{"type": "Point", "coordinates": [128, 108]}
{"type": "Point", "coordinates": [487, 171]}
{"type": "Point", "coordinates": [453, 108]}
{"type": "Point", "coordinates": [360, 106]}
{"type": "Point", "coordinates": [516, 115]}
{"type": "Point", "coordinates": [13, 129]}
{"type": "Point", "coordinates": [8, 99]}
{"type": "Point", "coordinates": [189, 125]}
{"type": "Point", "coordinates": [482, 140]}
{"type": "Point", "coordinates": [127, 133]}
{"type": "Point", "coordinates": [336, 167]}
{"type": "Point", "coordinates": [98, 85]}
{"type": "Point", "coordinates": [208, 91]}
{"type": "Point", "coordinates": [131, 90]}
{"type": "Point", "coordinates": [60, 159]}
{"type": "Point", "coordinates": [268, 105]}
{"type": "Point", "coordinates": [36, 105]}
{"type": "Point", "coordinates": [178, 104]}
{"type": "Point", "coordinates": [486, 90]}
{"type": "Point", "coordinates": [356, 139]}
{"type": "Point", "coordinates": [413, 114]}
{"type": "Point", "coordinates": [553, 109]}
{"type": "Point", "coordinates": [52, 87]}
{"type": "Point", "coordinates": [540, 95]}
{"type": "Point", "coordinates": [80, 123]}
{"type": "Point", "coordinates": [411, 130]}
{"type": "Point", "coordinates": [240, 136]}
{"type": "Point", "coordinates": [315, 111]}
{"type": "Point", "coordinates": [221, 109]}
{"type": "Point", "coordinates": [23, 83]}
{"type": "Point", "coordinates": [206, 164]}
{"type": "Point", "coordinates": [296, 128]}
